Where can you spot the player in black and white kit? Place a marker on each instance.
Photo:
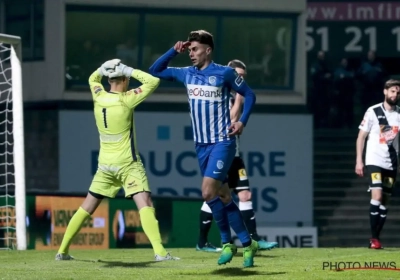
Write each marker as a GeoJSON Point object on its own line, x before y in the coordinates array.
{"type": "Point", "coordinates": [237, 181]}
{"type": "Point", "coordinates": [381, 125]}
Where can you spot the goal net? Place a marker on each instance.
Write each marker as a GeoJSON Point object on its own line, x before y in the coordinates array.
{"type": "Point", "coordinates": [12, 163]}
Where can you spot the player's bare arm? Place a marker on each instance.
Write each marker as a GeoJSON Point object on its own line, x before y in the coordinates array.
{"type": "Point", "coordinates": [236, 108]}
{"type": "Point", "coordinates": [238, 84]}
{"type": "Point", "coordinates": [362, 135]}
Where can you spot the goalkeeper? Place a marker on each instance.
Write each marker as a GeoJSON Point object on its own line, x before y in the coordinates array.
{"type": "Point", "coordinates": [119, 161]}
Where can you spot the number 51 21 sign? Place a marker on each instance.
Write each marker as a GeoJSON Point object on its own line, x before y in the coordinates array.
{"type": "Point", "coordinates": [347, 38]}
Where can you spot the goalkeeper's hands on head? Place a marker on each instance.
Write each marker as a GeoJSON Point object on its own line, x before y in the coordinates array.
{"type": "Point", "coordinates": [114, 68]}
{"type": "Point", "coordinates": [109, 66]}
{"type": "Point", "coordinates": [124, 70]}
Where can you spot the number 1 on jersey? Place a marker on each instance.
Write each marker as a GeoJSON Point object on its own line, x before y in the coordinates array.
{"type": "Point", "coordinates": [105, 117]}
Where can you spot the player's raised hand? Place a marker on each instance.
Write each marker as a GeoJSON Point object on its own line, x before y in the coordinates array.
{"type": "Point", "coordinates": [108, 67]}
{"type": "Point", "coordinates": [110, 64]}
{"type": "Point", "coordinates": [236, 128]}
{"type": "Point", "coordinates": [124, 70]}
{"type": "Point", "coordinates": [360, 169]}
{"type": "Point", "coordinates": [114, 73]}
{"type": "Point", "coordinates": [181, 46]}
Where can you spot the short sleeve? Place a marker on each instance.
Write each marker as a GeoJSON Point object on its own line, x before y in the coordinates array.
{"type": "Point", "coordinates": [367, 122]}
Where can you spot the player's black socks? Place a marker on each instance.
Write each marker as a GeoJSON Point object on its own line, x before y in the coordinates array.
{"type": "Point", "coordinates": [205, 226]}
{"type": "Point", "coordinates": [382, 219]}
{"type": "Point", "coordinates": [250, 222]}
{"type": "Point", "coordinates": [249, 218]}
{"type": "Point", "coordinates": [374, 217]}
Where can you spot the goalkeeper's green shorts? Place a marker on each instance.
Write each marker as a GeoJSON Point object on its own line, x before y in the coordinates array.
{"type": "Point", "coordinates": [109, 179]}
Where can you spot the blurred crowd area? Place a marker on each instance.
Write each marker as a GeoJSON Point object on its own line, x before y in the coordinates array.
{"type": "Point", "coordinates": [266, 69]}
{"type": "Point", "coordinates": [340, 93]}
{"type": "Point", "coordinates": [265, 44]}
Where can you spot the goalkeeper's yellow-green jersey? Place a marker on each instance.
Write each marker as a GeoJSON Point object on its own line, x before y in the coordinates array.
{"type": "Point", "coordinates": [114, 114]}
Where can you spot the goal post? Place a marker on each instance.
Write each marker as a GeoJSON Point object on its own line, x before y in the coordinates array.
{"type": "Point", "coordinates": [14, 43]}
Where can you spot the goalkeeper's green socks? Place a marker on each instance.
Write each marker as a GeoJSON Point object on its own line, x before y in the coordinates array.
{"type": "Point", "coordinates": [73, 228]}
{"type": "Point", "coordinates": [151, 229]}
{"type": "Point", "coordinates": [147, 218]}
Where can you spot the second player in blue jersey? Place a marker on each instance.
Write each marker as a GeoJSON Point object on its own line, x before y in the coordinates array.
{"type": "Point", "coordinates": [208, 88]}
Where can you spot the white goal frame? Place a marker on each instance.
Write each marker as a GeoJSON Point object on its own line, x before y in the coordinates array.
{"type": "Point", "coordinates": [18, 135]}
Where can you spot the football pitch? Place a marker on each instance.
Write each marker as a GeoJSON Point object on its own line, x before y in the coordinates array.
{"type": "Point", "coordinates": [307, 263]}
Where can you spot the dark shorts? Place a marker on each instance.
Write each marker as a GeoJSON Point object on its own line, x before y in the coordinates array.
{"type": "Point", "coordinates": [237, 176]}
{"type": "Point", "coordinates": [380, 178]}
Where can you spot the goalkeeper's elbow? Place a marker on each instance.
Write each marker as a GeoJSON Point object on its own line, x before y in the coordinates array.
{"type": "Point", "coordinates": [153, 82]}
{"type": "Point", "coordinates": [156, 82]}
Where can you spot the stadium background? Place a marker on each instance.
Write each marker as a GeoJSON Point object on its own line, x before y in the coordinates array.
{"type": "Point", "coordinates": [306, 193]}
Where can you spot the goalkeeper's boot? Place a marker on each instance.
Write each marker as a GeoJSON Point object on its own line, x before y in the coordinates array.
{"type": "Point", "coordinates": [228, 251]}
{"type": "Point", "coordinates": [264, 245]}
{"type": "Point", "coordinates": [249, 253]}
{"type": "Point", "coordinates": [208, 247]}
{"type": "Point", "coordinates": [168, 257]}
{"type": "Point", "coordinates": [63, 257]}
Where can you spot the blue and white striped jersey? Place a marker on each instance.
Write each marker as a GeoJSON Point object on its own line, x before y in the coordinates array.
{"type": "Point", "coordinates": [209, 97]}
{"type": "Point", "coordinates": [209, 93]}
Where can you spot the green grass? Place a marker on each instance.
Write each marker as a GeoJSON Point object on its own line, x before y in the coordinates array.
{"type": "Point", "coordinates": [121, 264]}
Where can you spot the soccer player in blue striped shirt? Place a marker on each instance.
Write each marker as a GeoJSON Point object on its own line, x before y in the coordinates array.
{"type": "Point", "coordinates": [237, 181]}
{"type": "Point", "coordinates": [208, 87]}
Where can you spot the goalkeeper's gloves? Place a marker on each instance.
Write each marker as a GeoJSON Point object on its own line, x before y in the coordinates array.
{"type": "Point", "coordinates": [124, 69]}
{"type": "Point", "coordinates": [108, 67]}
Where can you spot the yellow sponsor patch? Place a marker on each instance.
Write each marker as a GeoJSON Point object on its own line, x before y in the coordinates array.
{"type": "Point", "coordinates": [242, 174]}
{"type": "Point", "coordinates": [388, 182]}
{"type": "Point", "coordinates": [376, 178]}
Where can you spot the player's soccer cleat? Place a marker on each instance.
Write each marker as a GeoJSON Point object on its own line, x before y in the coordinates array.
{"type": "Point", "coordinates": [249, 253]}
{"type": "Point", "coordinates": [375, 244]}
{"type": "Point", "coordinates": [168, 257]}
{"type": "Point", "coordinates": [208, 248]}
{"type": "Point", "coordinates": [63, 257]}
{"type": "Point", "coordinates": [227, 253]}
{"type": "Point", "coordinates": [265, 245]}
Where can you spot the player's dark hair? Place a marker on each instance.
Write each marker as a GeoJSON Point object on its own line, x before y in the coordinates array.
{"type": "Point", "coordinates": [392, 83]}
{"type": "Point", "coordinates": [203, 37]}
{"type": "Point", "coordinates": [236, 63]}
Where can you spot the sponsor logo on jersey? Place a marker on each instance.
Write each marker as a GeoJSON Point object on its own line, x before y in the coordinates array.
{"type": "Point", "coordinates": [388, 134]}
{"type": "Point", "coordinates": [138, 90]}
{"type": "Point", "coordinates": [97, 89]}
{"type": "Point", "coordinates": [242, 174]}
{"type": "Point", "coordinates": [239, 79]}
{"type": "Point", "coordinates": [204, 92]}
{"type": "Point", "coordinates": [212, 80]}
{"type": "Point", "coordinates": [111, 138]}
